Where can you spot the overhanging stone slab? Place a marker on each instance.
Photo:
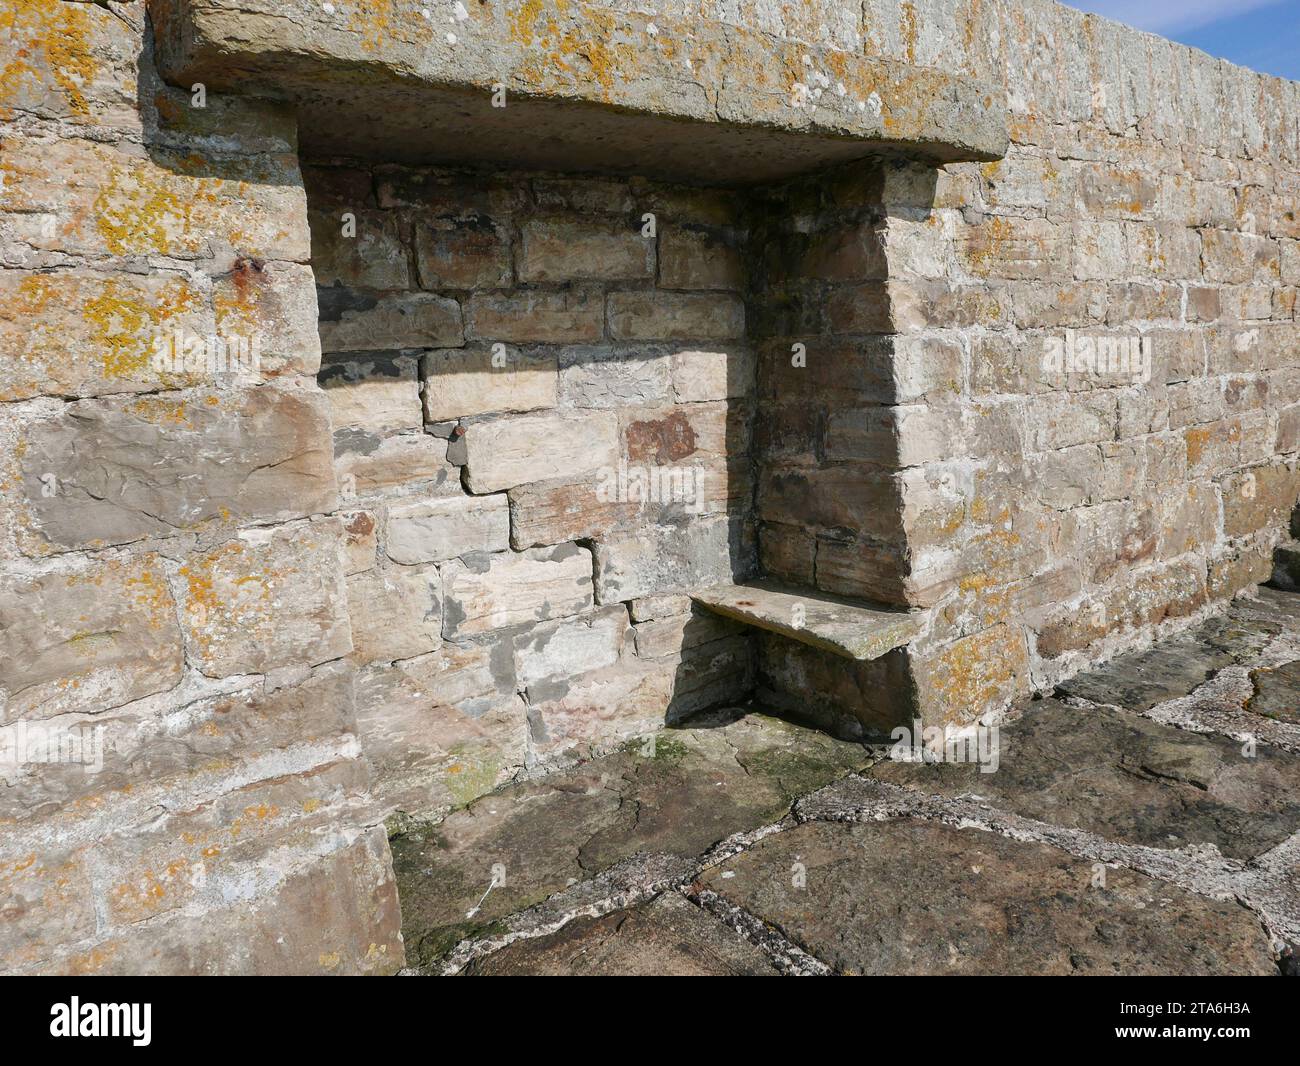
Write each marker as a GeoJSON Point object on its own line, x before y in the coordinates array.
{"type": "Point", "coordinates": [584, 86]}
{"type": "Point", "coordinates": [845, 627]}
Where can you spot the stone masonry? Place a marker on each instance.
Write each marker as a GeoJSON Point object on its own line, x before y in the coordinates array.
{"type": "Point", "coordinates": [379, 382]}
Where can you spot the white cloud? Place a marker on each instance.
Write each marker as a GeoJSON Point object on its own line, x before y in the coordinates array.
{"type": "Point", "coordinates": [1170, 16]}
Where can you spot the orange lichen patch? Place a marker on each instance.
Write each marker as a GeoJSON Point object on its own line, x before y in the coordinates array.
{"type": "Point", "coordinates": [139, 211]}
{"type": "Point", "coordinates": [161, 411]}
{"type": "Point", "coordinates": [976, 673]}
{"type": "Point", "coordinates": [908, 28]}
{"type": "Point", "coordinates": [125, 326]}
{"type": "Point", "coordinates": [70, 332]}
{"type": "Point", "coordinates": [381, 22]}
{"type": "Point", "coordinates": [42, 38]}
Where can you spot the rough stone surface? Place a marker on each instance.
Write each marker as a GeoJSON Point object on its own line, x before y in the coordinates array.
{"type": "Point", "coordinates": [913, 897]}
{"type": "Point", "coordinates": [1125, 778]}
{"type": "Point", "coordinates": [675, 792]}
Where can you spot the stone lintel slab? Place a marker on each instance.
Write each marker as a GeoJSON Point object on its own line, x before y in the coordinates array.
{"type": "Point", "coordinates": [585, 87]}
{"type": "Point", "coordinates": [851, 628]}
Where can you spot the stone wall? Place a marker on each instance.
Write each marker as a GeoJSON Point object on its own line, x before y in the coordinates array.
{"type": "Point", "coordinates": [542, 406]}
{"type": "Point", "coordinates": [275, 600]}
{"type": "Point", "coordinates": [172, 610]}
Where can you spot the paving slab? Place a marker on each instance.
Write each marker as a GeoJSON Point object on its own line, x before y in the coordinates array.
{"type": "Point", "coordinates": [693, 788]}
{"type": "Point", "coordinates": [1175, 668]}
{"type": "Point", "coordinates": [907, 896]}
{"type": "Point", "coordinates": [668, 937]}
{"type": "Point", "coordinates": [1126, 779]}
{"type": "Point", "coordinates": [852, 628]}
{"type": "Point", "coordinates": [1277, 693]}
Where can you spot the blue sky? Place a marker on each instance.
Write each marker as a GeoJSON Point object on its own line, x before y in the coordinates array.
{"type": "Point", "coordinates": [1261, 34]}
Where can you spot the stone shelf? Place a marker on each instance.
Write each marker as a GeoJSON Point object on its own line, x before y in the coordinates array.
{"type": "Point", "coordinates": [852, 628]}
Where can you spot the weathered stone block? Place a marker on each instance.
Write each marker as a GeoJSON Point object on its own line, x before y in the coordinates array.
{"type": "Point", "coordinates": [552, 512]}
{"type": "Point", "coordinates": [700, 376]}
{"type": "Point", "coordinates": [362, 322]}
{"type": "Point", "coordinates": [270, 598]}
{"type": "Point", "coordinates": [395, 613]}
{"type": "Point", "coordinates": [584, 251]}
{"type": "Point", "coordinates": [706, 551]}
{"type": "Point", "coordinates": [570, 317]}
{"type": "Point", "coordinates": [377, 394]}
{"type": "Point", "coordinates": [443, 729]}
{"type": "Point", "coordinates": [504, 452]}
{"type": "Point", "coordinates": [77, 333]}
{"type": "Point", "coordinates": [571, 647]}
{"type": "Point", "coordinates": [374, 257]}
{"type": "Point", "coordinates": [487, 592]}
{"type": "Point", "coordinates": [463, 254]}
{"type": "Point", "coordinates": [115, 470]}
{"type": "Point", "coordinates": [460, 382]}
{"type": "Point", "coordinates": [433, 530]}
{"type": "Point", "coordinates": [612, 377]}
{"type": "Point", "coordinates": [672, 316]}
{"type": "Point", "coordinates": [368, 464]}
{"type": "Point", "coordinates": [85, 637]}
{"type": "Point", "coordinates": [697, 259]}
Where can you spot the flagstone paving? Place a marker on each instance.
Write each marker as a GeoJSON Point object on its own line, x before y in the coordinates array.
{"type": "Point", "coordinates": [1144, 818]}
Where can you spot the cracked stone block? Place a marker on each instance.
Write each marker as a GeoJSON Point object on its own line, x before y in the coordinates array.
{"type": "Point", "coordinates": [679, 793]}
{"type": "Point", "coordinates": [115, 470]}
{"type": "Point", "coordinates": [667, 937]}
{"type": "Point", "coordinates": [1127, 779]}
{"type": "Point", "coordinates": [907, 896]}
{"type": "Point", "coordinates": [86, 637]}
{"type": "Point", "coordinates": [571, 647]}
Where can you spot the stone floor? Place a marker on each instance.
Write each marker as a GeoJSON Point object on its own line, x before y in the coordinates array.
{"type": "Point", "coordinates": [1143, 819]}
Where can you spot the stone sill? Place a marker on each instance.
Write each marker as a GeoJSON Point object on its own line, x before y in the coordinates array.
{"type": "Point", "coordinates": [853, 629]}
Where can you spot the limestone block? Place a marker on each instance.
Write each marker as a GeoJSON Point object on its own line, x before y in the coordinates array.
{"type": "Point", "coordinates": [673, 316]}
{"type": "Point", "coordinates": [570, 317]}
{"type": "Point", "coordinates": [373, 257]}
{"type": "Point", "coordinates": [487, 592]}
{"type": "Point", "coordinates": [366, 463]}
{"type": "Point", "coordinates": [584, 251]}
{"type": "Point", "coordinates": [433, 530]}
{"type": "Point", "coordinates": [700, 376]}
{"type": "Point", "coordinates": [84, 333]}
{"type": "Point", "coordinates": [378, 393]}
{"type": "Point", "coordinates": [461, 382]}
{"type": "Point", "coordinates": [705, 551]}
{"type": "Point", "coordinates": [696, 259]}
{"type": "Point", "coordinates": [395, 612]}
{"type": "Point", "coordinates": [443, 729]}
{"type": "Point", "coordinates": [502, 453]}
{"type": "Point", "coordinates": [86, 198]}
{"type": "Point", "coordinates": [363, 322]}
{"type": "Point", "coordinates": [571, 647]}
{"type": "Point", "coordinates": [269, 598]}
{"type": "Point", "coordinates": [86, 636]}
{"type": "Point", "coordinates": [552, 512]}
{"type": "Point", "coordinates": [612, 377]}
{"type": "Point", "coordinates": [463, 254]}
{"type": "Point", "coordinates": [115, 470]}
